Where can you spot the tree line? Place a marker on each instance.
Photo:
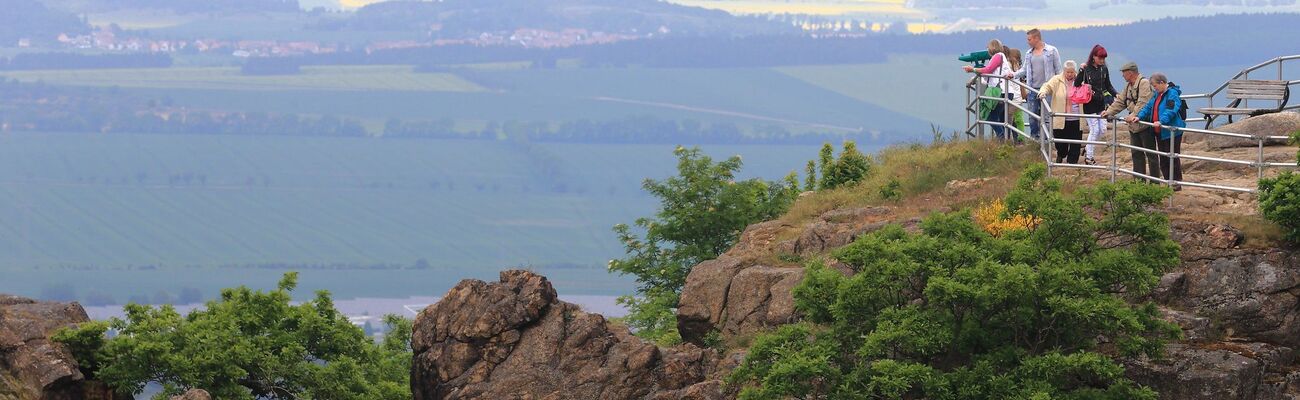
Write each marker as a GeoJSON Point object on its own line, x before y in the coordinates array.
{"type": "Point", "coordinates": [64, 60]}
{"type": "Point", "coordinates": [628, 130]}
{"type": "Point", "coordinates": [37, 107]}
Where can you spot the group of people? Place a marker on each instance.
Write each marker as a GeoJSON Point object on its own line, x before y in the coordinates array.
{"type": "Point", "coordinates": [1154, 105]}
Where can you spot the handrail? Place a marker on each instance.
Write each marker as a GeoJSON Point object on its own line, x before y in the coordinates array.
{"type": "Point", "coordinates": [1246, 72]}
{"type": "Point", "coordinates": [1047, 139]}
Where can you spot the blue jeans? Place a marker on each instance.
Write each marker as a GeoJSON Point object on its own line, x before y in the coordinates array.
{"type": "Point", "coordinates": [1035, 126]}
{"type": "Point", "coordinates": [998, 115]}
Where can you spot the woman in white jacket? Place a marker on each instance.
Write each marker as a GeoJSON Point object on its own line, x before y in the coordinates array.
{"type": "Point", "coordinates": [1058, 89]}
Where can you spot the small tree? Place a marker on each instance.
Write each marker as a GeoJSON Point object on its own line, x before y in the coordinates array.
{"type": "Point", "coordinates": [953, 312]}
{"type": "Point", "coordinates": [851, 167]}
{"type": "Point", "coordinates": [248, 344]}
{"type": "Point", "coordinates": [1279, 198]}
{"type": "Point", "coordinates": [702, 212]}
{"type": "Point", "coordinates": [810, 176]}
{"type": "Point", "coordinates": [826, 157]}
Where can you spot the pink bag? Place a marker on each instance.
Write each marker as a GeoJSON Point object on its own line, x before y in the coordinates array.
{"type": "Point", "coordinates": [1081, 94]}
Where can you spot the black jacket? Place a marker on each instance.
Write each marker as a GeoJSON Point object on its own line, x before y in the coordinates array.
{"type": "Point", "coordinates": [1099, 78]}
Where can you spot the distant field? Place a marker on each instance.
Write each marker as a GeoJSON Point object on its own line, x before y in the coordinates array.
{"type": "Point", "coordinates": [100, 212]}
{"type": "Point", "coordinates": [388, 78]}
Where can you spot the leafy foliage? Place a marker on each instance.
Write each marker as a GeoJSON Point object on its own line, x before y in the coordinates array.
{"type": "Point", "coordinates": [702, 212]}
{"type": "Point", "coordinates": [849, 168]}
{"type": "Point", "coordinates": [1279, 198]}
{"type": "Point", "coordinates": [954, 312]}
{"type": "Point", "coordinates": [249, 344]}
{"type": "Point", "coordinates": [1279, 201]}
{"type": "Point", "coordinates": [1295, 141]}
{"type": "Point", "coordinates": [84, 342]}
{"type": "Point", "coordinates": [995, 219]}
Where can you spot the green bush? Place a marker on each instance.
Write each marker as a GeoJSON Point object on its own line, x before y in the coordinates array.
{"type": "Point", "coordinates": [84, 342]}
{"type": "Point", "coordinates": [1279, 201]}
{"type": "Point", "coordinates": [955, 313]}
{"type": "Point", "coordinates": [248, 344]}
{"type": "Point", "coordinates": [1279, 198]}
{"type": "Point", "coordinates": [851, 167]}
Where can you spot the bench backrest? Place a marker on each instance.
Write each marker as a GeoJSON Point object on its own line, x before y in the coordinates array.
{"type": "Point", "coordinates": [1257, 89]}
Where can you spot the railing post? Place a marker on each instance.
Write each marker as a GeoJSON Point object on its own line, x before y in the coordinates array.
{"type": "Point", "coordinates": [979, 103]}
{"type": "Point", "coordinates": [1006, 111]}
{"type": "Point", "coordinates": [1114, 150]}
{"type": "Point", "coordinates": [968, 109]}
{"type": "Point", "coordinates": [1048, 138]}
{"type": "Point", "coordinates": [1279, 77]}
{"type": "Point", "coordinates": [1172, 163]}
{"type": "Point", "coordinates": [1260, 139]}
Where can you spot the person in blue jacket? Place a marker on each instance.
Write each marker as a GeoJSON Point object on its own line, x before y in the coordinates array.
{"type": "Point", "coordinates": [1163, 111]}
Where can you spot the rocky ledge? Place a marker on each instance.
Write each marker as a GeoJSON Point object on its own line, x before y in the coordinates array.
{"type": "Point", "coordinates": [33, 367]}
{"type": "Point", "coordinates": [514, 340]}
{"type": "Point", "coordinates": [1239, 307]}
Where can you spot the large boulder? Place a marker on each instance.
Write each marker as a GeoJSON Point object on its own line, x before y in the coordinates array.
{"type": "Point", "coordinates": [1250, 294]}
{"type": "Point", "coordinates": [742, 293]}
{"type": "Point", "coordinates": [31, 365]}
{"type": "Point", "coordinates": [1276, 124]}
{"type": "Point", "coordinates": [514, 340]}
{"type": "Point", "coordinates": [1238, 309]}
{"type": "Point", "coordinates": [1220, 371]}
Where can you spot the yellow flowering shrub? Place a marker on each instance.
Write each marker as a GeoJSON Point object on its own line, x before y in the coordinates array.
{"type": "Point", "coordinates": [989, 217]}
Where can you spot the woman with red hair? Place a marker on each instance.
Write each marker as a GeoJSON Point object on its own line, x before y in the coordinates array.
{"type": "Point", "coordinates": [1095, 74]}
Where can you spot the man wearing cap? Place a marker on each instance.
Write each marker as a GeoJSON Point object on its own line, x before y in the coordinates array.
{"type": "Point", "coordinates": [1136, 94]}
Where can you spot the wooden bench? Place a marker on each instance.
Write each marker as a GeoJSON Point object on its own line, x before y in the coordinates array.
{"type": "Point", "coordinates": [1240, 90]}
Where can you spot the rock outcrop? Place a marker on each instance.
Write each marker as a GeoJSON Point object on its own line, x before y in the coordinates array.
{"type": "Point", "coordinates": [738, 294]}
{"type": "Point", "coordinates": [1220, 371]}
{"type": "Point", "coordinates": [1276, 124]}
{"type": "Point", "coordinates": [31, 365]}
{"type": "Point", "coordinates": [1239, 311]}
{"type": "Point", "coordinates": [1239, 306]}
{"type": "Point", "coordinates": [514, 340]}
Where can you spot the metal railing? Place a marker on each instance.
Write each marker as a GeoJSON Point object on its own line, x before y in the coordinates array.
{"type": "Point", "coordinates": [976, 89]}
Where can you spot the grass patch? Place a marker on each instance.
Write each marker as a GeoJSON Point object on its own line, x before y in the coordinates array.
{"type": "Point", "coordinates": [914, 178]}
{"type": "Point", "coordinates": [1259, 232]}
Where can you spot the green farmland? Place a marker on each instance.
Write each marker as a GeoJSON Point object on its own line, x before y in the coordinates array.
{"type": "Point", "coordinates": [472, 95]}
{"type": "Point", "coordinates": [125, 215]}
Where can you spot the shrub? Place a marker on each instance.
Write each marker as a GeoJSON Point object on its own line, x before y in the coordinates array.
{"type": "Point", "coordinates": [1279, 198]}
{"type": "Point", "coordinates": [1279, 201]}
{"type": "Point", "coordinates": [248, 344]}
{"type": "Point", "coordinates": [851, 167]}
{"type": "Point", "coordinates": [994, 219]}
{"type": "Point", "coordinates": [953, 312]}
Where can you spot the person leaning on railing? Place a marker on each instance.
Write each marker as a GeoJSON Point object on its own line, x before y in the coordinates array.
{"type": "Point", "coordinates": [1058, 89]}
{"type": "Point", "coordinates": [1163, 113]}
{"type": "Point", "coordinates": [994, 111]}
{"type": "Point", "coordinates": [1136, 94]}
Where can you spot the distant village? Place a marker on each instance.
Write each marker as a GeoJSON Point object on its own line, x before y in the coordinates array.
{"type": "Point", "coordinates": [110, 41]}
